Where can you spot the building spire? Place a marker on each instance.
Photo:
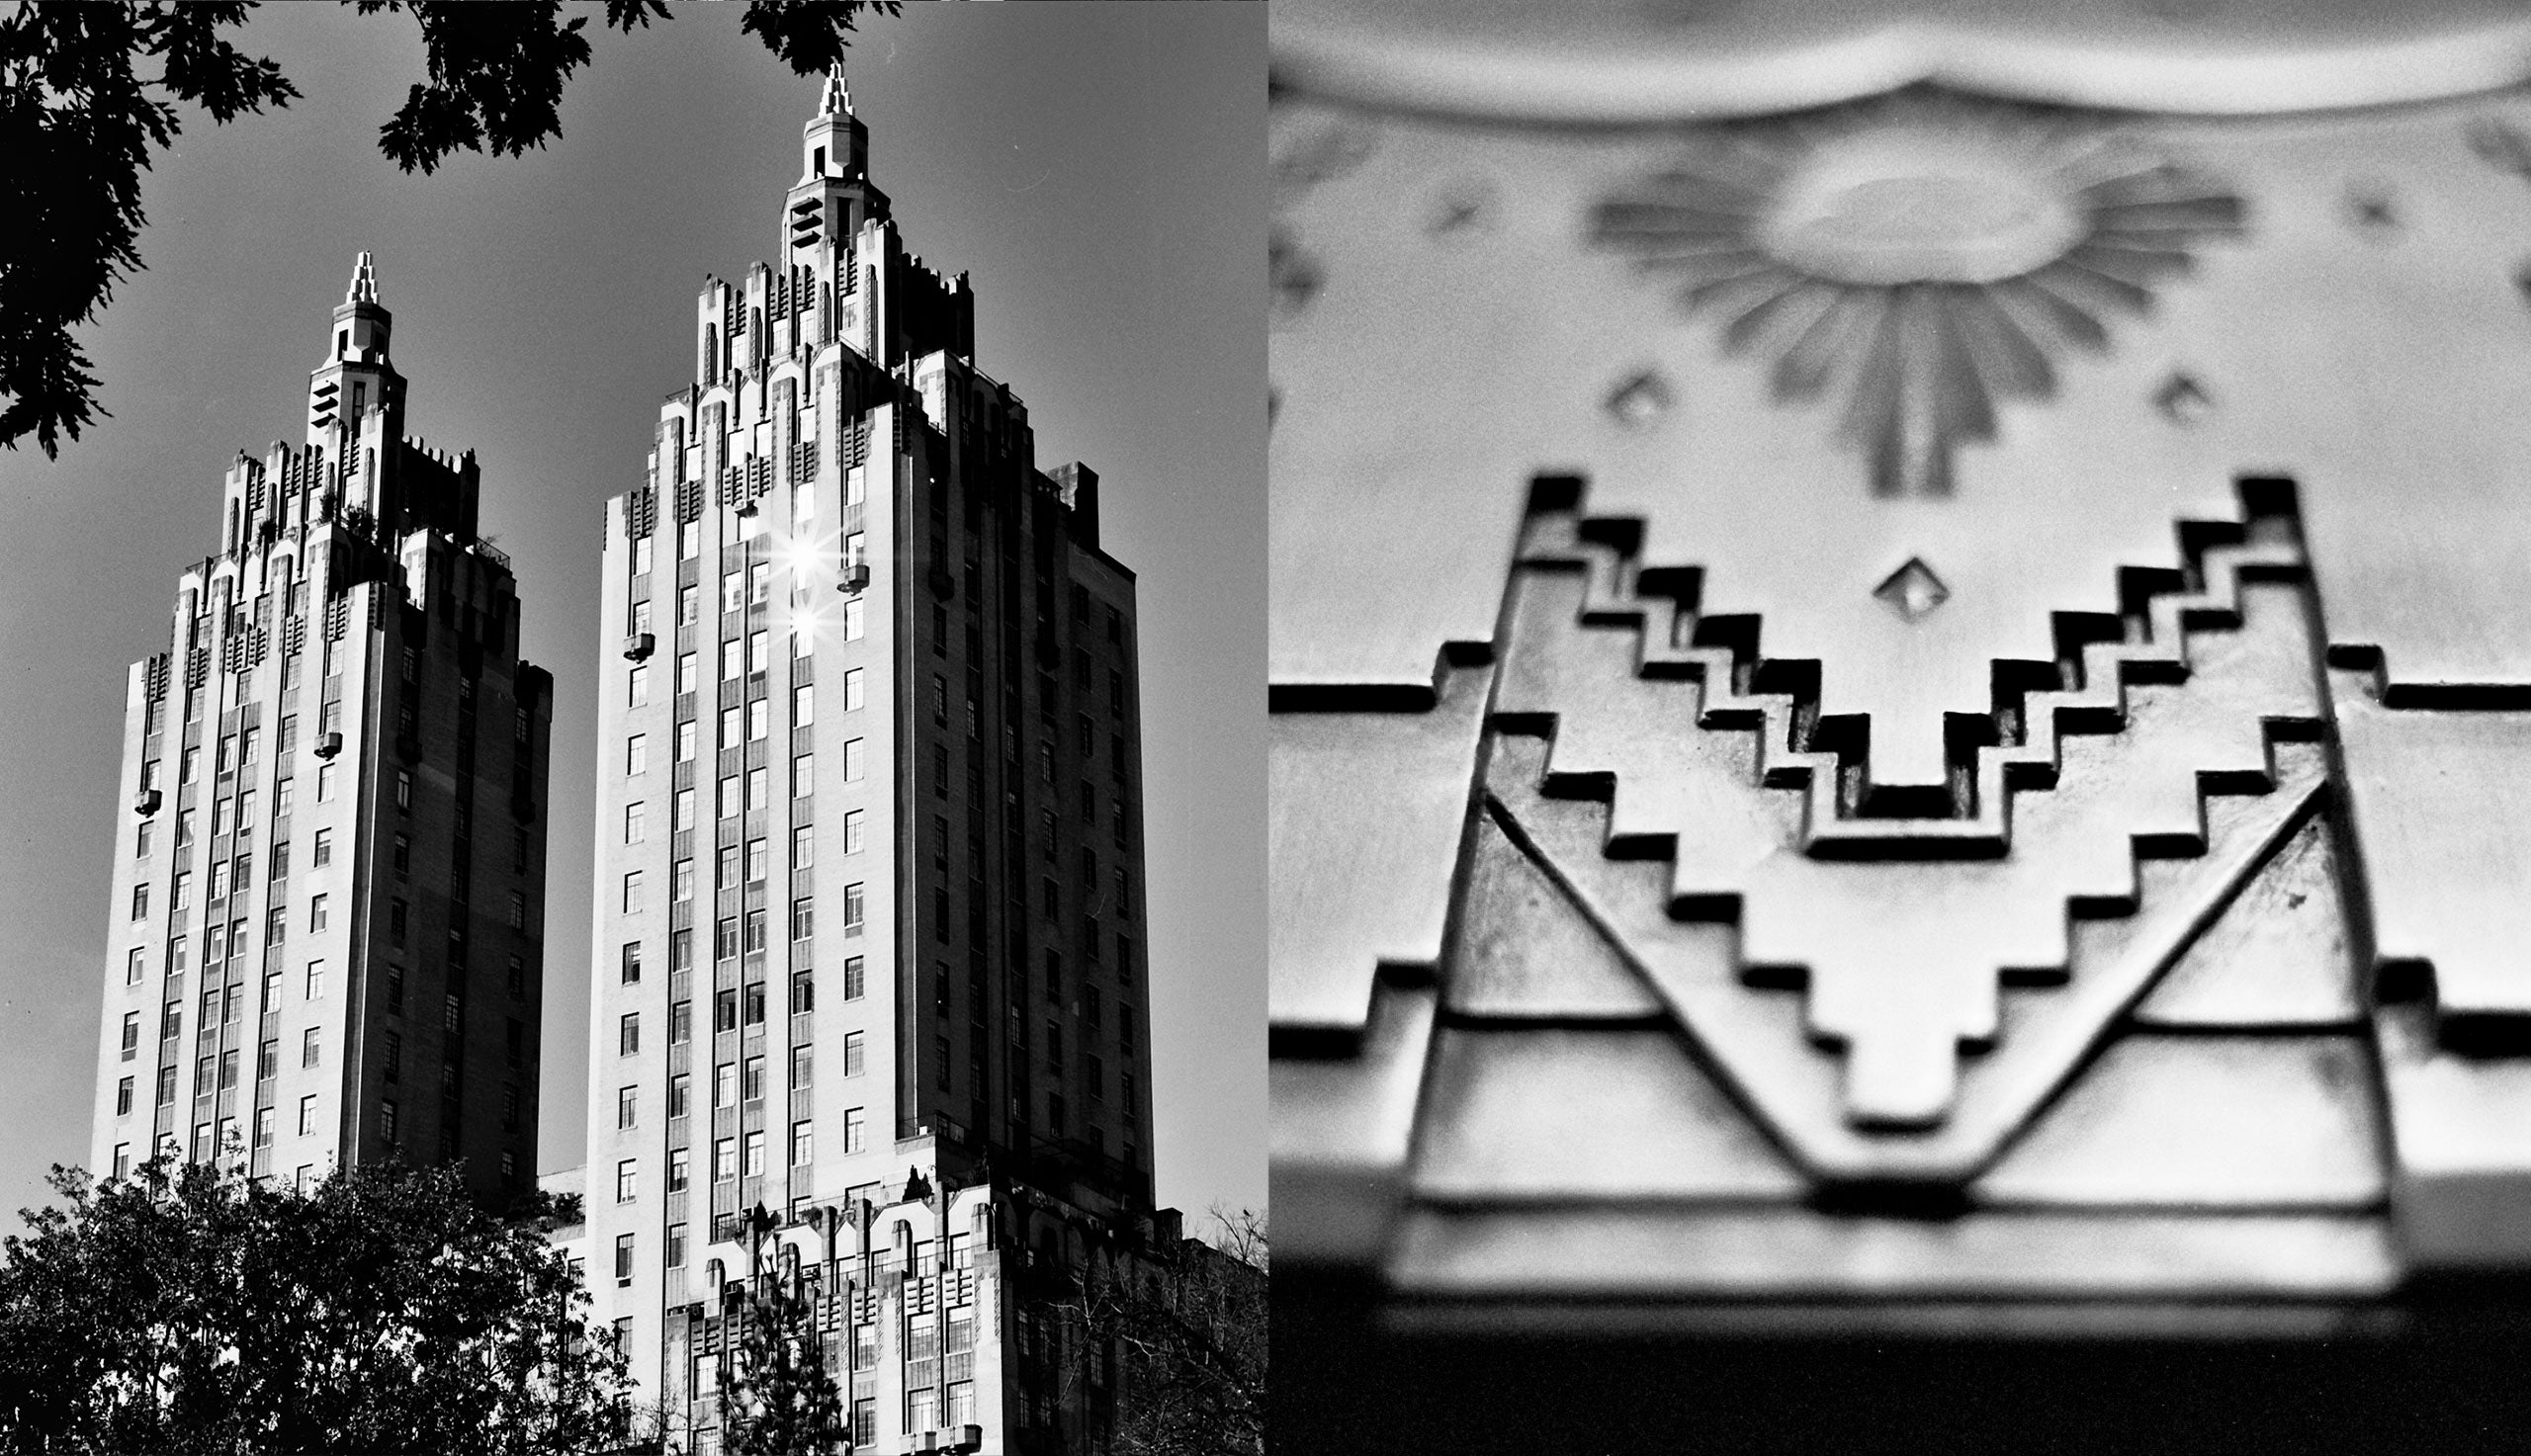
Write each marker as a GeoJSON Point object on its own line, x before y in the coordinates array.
{"type": "Point", "coordinates": [364, 288]}
{"type": "Point", "coordinates": [838, 101]}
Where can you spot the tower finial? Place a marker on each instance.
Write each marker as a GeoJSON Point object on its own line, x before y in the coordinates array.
{"type": "Point", "coordinates": [838, 101]}
{"type": "Point", "coordinates": [364, 288]}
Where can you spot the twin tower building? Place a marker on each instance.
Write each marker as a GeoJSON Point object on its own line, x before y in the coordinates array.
{"type": "Point", "coordinates": [867, 980]}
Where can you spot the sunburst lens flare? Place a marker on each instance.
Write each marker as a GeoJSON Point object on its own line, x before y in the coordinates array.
{"type": "Point", "coordinates": [1925, 254]}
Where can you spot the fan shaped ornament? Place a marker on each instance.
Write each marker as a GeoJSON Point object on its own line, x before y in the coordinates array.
{"type": "Point", "coordinates": [1923, 259]}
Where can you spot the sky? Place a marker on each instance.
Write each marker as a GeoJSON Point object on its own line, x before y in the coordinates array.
{"type": "Point", "coordinates": [1097, 169]}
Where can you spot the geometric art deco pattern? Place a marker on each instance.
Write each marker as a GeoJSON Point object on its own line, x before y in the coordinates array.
{"type": "Point", "coordinates": [1916, 711]}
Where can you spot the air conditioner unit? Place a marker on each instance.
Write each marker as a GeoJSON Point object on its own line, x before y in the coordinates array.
{"type": "Point", "coordinates": [145, 802]}
{"type": "Point", "coordinates": [856, 577]}
{"type": "Point", "coordinates": [640, 645]}
{"type": "Point", "coordinates": [328, 744]}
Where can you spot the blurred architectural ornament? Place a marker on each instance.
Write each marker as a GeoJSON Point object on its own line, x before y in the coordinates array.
{"type": "Point", "coordinates": [1890, 689]}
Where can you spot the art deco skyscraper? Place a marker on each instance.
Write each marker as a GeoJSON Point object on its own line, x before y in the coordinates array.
{"type": "Point", "coordinates": [329, 878]}
{"type": "Point", "coordinates": [869, 886]}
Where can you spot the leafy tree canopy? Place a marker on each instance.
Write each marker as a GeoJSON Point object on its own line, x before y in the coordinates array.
{"type": "Point", "coordinates": [87, 92]}
{"type": "Point", "coordinates": [186, 1310]}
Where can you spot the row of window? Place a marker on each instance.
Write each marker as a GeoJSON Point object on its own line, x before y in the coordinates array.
{"type": "Point", "coordinates": [731, 1007]}
{"type": "Point", "coordinates": [743, 1156]}
{"type": "Point", "coordinates": [637, 747]}
{"type": "Point", "coordinates": [733, 1081]}
{"type": "Point", "coordinates": [638, 686]}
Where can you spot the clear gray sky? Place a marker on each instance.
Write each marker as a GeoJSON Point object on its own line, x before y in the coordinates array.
{"type": "Point", "coordinates": [1098, 170]}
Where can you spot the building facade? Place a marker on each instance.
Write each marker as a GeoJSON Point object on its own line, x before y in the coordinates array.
{"type": "Point", "coordinates": [867, 942]}
{"type": "Point", "coordinates": [329, 877]}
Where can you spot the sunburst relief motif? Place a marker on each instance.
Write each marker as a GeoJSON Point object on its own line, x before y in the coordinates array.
{"type": "Point", "coordinates": [1927, 257]}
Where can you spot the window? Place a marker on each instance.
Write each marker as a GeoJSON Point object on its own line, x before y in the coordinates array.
{"type": "Point", "coordinates": [852, 618]}
{"type": "Point", "coordinates": [509, 1104]}
{"type": "Point", "coordinates": [626, 1182]}
{"type": "Point", "coordinates": [679, 1167]}
{"type": "Point", "coordinates": [268, 1062]}
{"type": "Point", "coordinates": [685, 754]}
{"type": "Point", "coordinates": [633, 825]}
{"type": "Point", "coordinates": [852, 831]}
{"type": "Point", "coordinates": [676, 1237]}
{"type": "Point", "coordinates": [728, 878]}
{"type": "Point", "coordinates": [689, 541]}
{"type": "Point", "coordinates": [729, 796]}
{"type": "Point", "coordinates": [189, 766]}
{"type": "Point", "coordinates": [688, 676]}
{"type": "Point", "coordinates": [623, 1256]}
{"type": "Point", "coordinates": [393, 1058]}
{"type": "Point", "coordinates": [631, 891]}
{"type": "Point", "coordinates": [751, 1081]}
{"type": "Point", "coordinates": [803, 918]}
{"type": "Point", "coordinates": [725, 1008]}
{"type": "Point", "coordinates": [731, 657]}
{"type": "Point", "coordinates": [185, 828]}
{"type": "Point", "coordinates": [804, 705]}
{"type": "Point", "coordinates": [759, 718]}
{"type": "Point", "coordinates": [638, 689]}
{"type": "Point", "coordinates": [682, 881]}
{"type": "Point", "coordinates": [519, 910]}
{"type": "Point", "coordinates": [730, 726]}
{"type": "Point", "coordinates": [853, 1054]}
{"type": "Point", "coordinates": [755, 931]}
{"type": "Point", "coordinates": [140, 899]}
{"type": "Point", "coordinates": [141, 842]}
{"type": "Point", "coordinates": [804, 777]}
{"type": "Point", "coordinates": [853, 678]}
{"type": "Point", "coordinates": [754, 1166]}
{"type": "Point", "coordinates": [939, 699]}
{"type": "Point", "coordinates": [724, 1084]}
{"type": "Point", "coordinates": [632, 962]}
{"type": "Point", "coordinates": [307, 1116]}
{"type": "Point", "coordinates": [132, 1032]}
{"type": "Point", "coordinates": [627, 1101]}
{"type": "Point", "coordinates": [803, 1144]}
{"type": "Point", "coordinates": [386, 1119]}
{"type": "Point", "coordinates": [759, 646]}
{"type": "Point", "coordinates": [324, 782]}
{"type": "Point", "coordinates": [396, 913]}
{"type": "Point", "coordinates": [404, 788]}
{"type": "Point", "coordinates": [853, 760]}
{"type": "Point", "coordinates": [852, 1138]}
{"type": "Point", "coordinates": [756, 861]}
{"type": "Point", "coordinates": [852, 909]}
{"type": "Point", "coordinates": [316, 914]}
{"type": "Point", "coordinates": [628, 1034]}
{"type": "Point", "coordinates": [803, 993]}
{"type": "Point", "coordinates": [755, 788]}
{"type": "Point", "coordinates": [316, 979]}
{"type": "Point", "coordinates": [132, 966]}
{"type": "Point", "coordinates": [725, 1159]}
{"type": "Point", "coordinates": [801, 1065]}
{"type": "Point", "coordinates": [852, 979]}
{"type": "Point", "coordinates": [803, 845]}
{"type": "Point", "coordinates": [123, 1098]}
{"type": "Point", "coordinates": [324, 855]}
{"type": "Point", "coordinates": [734, 591]}
{"type": "Point", "coordinates": [641, 566]}
{"type": "Point", "coordinates": [688, 604]}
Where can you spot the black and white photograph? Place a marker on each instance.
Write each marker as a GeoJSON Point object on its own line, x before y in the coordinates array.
{"type": "Point", "coordinates": [1900, 725]}
{"type": "Point", "coordinates": [631, 765]}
